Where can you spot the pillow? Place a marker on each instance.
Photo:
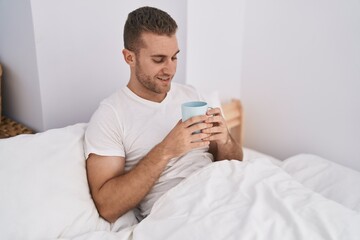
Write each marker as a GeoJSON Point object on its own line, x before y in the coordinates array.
{"type": "Point", "coordinates": [43, 185]}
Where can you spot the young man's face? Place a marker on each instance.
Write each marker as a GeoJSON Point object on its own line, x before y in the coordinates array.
{"type": "Point", "coordinates": [156, 64]}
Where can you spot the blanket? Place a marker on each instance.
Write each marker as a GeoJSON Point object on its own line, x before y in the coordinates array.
{"type": "Point", "coordinates": [242, 200]}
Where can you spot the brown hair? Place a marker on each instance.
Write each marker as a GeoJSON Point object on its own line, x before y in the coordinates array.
{"type": "Point", "coordinates": [146, 19]}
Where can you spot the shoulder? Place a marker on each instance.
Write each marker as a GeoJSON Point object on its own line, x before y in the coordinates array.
{"type": "Point", "coordinates": [116, 102]}
{"type": "Point", "coordinates": [114, 99]}
{"type": "Point", "coordinates": [108, 108]}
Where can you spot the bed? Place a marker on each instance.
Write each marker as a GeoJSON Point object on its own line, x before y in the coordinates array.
{"type": "Point", "coordinates": [45, 195]}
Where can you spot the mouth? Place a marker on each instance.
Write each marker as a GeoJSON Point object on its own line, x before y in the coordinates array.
{"type": "Point", "coordinates": [164, 79]}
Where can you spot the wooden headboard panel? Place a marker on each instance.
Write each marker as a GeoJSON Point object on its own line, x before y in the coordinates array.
{"type": "Point", "coordinates": [233, 114]}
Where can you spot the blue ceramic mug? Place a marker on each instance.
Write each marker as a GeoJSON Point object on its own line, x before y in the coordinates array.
{"type": "Point", "coordinates": [192, 109]}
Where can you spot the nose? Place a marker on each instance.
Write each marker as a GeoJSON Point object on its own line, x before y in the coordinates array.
{"type": "Point", "coordinates": [170, 67]}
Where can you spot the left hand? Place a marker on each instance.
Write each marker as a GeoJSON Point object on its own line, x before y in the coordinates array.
{"type": "Point", "coordinates": [219, 131]}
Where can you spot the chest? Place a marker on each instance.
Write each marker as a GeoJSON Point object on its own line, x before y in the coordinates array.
{"type": "Point", "coordinates": [144, 128]}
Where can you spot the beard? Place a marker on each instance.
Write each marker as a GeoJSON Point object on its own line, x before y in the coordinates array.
{"type": "Point", "coordinates": [151, 83]}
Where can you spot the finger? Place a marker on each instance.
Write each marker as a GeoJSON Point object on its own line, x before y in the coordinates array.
{"type": "Point", "coordinates": [196, 119]}
{"type": "Point", "coordinates": [216, 137]}
{"type": "Point", "coordinates": [213, 111]}
{"type": "Point", "coordinates": [199, 136]}
{"type": "Point", "coordinates": [200, 144]}
{"type": "Point", "coordinates": [215, 130]}
{"type": "Point", "coordinates": [199, 127]}
{"type": "Point", "coordinates": [216, 119]}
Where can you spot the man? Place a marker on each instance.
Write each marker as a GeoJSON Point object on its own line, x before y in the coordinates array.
{"type": "Point", "coordinates": [137, 147]}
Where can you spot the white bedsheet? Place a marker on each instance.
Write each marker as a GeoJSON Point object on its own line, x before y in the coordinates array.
{"type": "Point", "coordinates": [251, 154]}
{"type": "Point", "coordinates": [328, 178]}
{"type": "Point", "coordinates": [254, 199]}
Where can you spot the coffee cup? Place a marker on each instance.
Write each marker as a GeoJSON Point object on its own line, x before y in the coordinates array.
{"type": "Point", "coordinates": [192, 109]}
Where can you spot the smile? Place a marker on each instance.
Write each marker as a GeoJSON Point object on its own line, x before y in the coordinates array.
{"type": "Point", "coordinates": [164, 78]}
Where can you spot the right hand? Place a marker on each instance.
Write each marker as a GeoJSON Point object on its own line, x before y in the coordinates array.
{"type": "Point", "coordinates": [181, 139]}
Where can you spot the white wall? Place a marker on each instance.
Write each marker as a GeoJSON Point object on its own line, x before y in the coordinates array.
{"type": "Point", "coordinates": [295, 65]}
{"type": "Point", "coordinates": [301, 78]}
{"type": "Point", "coordinates": [78, 59]}
{"type": "Point", "coordinates": [79, 46]}
{"type": "Point", "coordinates": [20, 87]}
{"type": "Point", "coordinates": [214, 46]}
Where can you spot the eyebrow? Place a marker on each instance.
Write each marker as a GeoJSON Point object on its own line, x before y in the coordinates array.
{"type": "Point", "coordinates": [161, 55]}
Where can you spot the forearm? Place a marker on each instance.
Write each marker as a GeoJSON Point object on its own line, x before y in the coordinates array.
{"type": "Point", "coordinates": [124, 192]}
{"type": "Point", "coordinates": [229, 150]}
{"type": "Point", "coordinates": [222, 144]}
{"type": "Point", "coordinates": [116, 192]}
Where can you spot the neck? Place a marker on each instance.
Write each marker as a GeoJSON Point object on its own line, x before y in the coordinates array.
{"type": "Point", "coordinates": [148, 95]}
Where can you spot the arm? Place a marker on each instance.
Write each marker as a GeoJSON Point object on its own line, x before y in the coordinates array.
{"type": "Point", "coordinates": [223, 145]}
{"type": "Point", "coordinates": [115, 191]}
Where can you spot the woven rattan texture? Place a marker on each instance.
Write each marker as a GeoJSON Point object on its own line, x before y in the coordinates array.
{"type": "Point", "coordinates": [10, 128]}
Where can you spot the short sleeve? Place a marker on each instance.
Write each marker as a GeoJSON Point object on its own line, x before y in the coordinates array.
{"type": "Point", "coordinates": [104, 135]}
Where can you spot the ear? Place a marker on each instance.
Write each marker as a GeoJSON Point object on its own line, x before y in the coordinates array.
{"type": "Point", "coordinates": [129, 56]}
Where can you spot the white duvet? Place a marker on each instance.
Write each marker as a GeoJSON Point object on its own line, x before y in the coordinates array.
{"type": "Point", "coordinates": [242, 200]}
{"type": "Point", "coordinates": [44, 194]}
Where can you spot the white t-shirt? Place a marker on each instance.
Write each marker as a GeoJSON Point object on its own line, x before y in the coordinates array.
{"type": "Point", "coordinates": [129, 126]}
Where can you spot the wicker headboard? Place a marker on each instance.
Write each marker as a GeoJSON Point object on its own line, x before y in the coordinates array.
{"type": "Point", "coordinates": [233, 113]}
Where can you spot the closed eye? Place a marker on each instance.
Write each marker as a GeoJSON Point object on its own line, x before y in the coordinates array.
{"type": "Point", "coordinates": [158, 59]}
